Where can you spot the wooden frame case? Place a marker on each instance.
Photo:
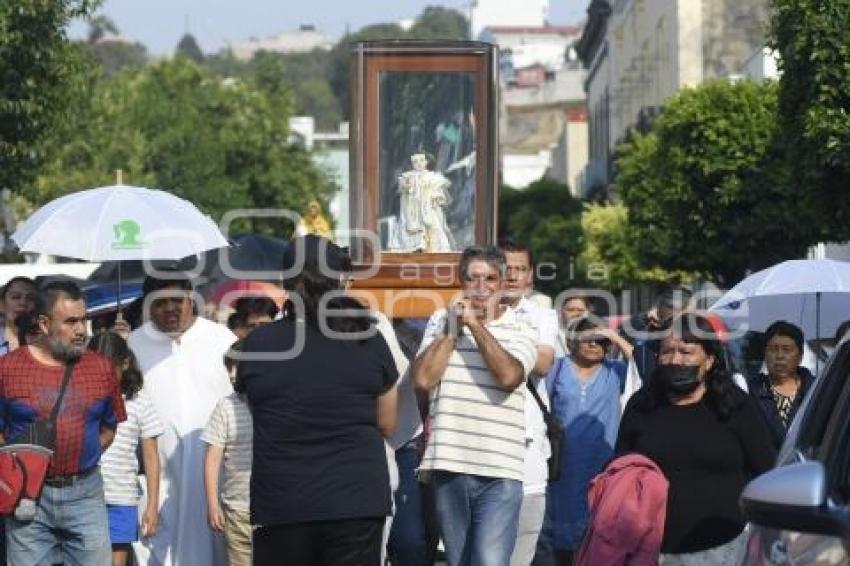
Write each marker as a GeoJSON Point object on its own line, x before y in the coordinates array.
{"type": "Point", "coordinates": [404, 96]}
{"type": "Point", "coordinates": [448, 71]}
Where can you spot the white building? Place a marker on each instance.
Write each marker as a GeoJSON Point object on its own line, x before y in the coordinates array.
{"type": "Point", "coordinates": [303, 40]}
{"type": "Point", "coordinates": [521, 13]}
{"type": "Point", "coordinates": [543, 118]}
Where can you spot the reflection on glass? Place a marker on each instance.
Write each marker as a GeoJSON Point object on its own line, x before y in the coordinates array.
{"type": "Point", "coordinates": [427, 161]}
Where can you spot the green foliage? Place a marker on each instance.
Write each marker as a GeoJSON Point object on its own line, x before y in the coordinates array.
{"type": "Point", "coordinates": [188, 47]}
{"type": "Point", "coordinates": [116, 56]}
{"type": "Point", "coordinates": [176, 126]}
{"type": "Point", "coordinates": [609, 259]}
{"type": "Point", "coordinates": [433, 23]}
{"type": "Point", "coordinates": [340, 58]}
{"type": "Point", "coordinates": [113, 54]}
{"type": "Point", "coordinates": [40, 70]}
{"type": "Point", "coordinates": [437, 22]}
{"type": "Point", "coordinates": [812, 38]}
{"type": "Point", "coordinates": [547, 218]}
{"type": "Point", "coordinates": [708, 189]}
{"type": "Point", "coordinates": [99, 26]}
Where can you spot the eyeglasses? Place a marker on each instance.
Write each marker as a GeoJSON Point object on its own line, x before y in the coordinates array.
{"type": "Point", "coordinates": [600, 341]}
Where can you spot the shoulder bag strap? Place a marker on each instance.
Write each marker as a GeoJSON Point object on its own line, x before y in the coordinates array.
{"type": "Point", "coordinates": [69, 369]}
{"type": "Point", "coordinates": [537, 398]}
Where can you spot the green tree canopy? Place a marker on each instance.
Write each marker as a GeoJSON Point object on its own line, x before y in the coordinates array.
{"type": "Point", "coordinates": [546, 218]}
{"type": "Point", "coordinates": [113, 54]}
{"type": "Point", "coordinates": [812, 38]}
{"type": "Point", "coordinates": [99, 26]}
{"type": "Point", "coordinates": [176, 126]}
{"type": "Point", "coordinates": [188, 47]}
{"type": "Point", "coordinates": [437, 22]}
{"type": "Point", "coordinates": [40, 71]}
{"type": "Point", "coordinates": [708, 189]}
{"type": "Point", "coordinates": [609, 259]}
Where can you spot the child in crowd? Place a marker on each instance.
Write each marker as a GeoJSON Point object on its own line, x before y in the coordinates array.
{"type": "Point", "coordinates": [119, 465]}
{"type": "Point", "coordinates": [228, 435]}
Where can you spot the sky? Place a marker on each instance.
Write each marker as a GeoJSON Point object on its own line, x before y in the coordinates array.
{"type": "Point", "coordinates": [159, 24]}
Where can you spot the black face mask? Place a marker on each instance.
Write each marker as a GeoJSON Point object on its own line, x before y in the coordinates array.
{"type": "Point", "coordinates": [678, 379]}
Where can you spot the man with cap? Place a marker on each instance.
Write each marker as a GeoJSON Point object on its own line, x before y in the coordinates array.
{"type": "Point", "coordinates": [182, 357]}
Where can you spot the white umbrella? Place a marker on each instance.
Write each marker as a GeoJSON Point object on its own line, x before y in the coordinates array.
{"type": "Point", "coordinates": [814, 294]}
{"type": "Point", "coordinates": [119, 222]}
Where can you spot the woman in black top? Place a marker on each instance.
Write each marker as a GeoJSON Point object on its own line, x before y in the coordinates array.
{"type": "Point", "coordinates": [780, 392]}
{"type": "Point", "coordinates": [320, 387]}
{"type": "Point", "coordinates": [706, 436]}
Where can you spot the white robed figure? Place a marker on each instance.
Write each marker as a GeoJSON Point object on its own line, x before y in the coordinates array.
{"type": "Point", "coordinates": [422, 218]}
{"type": "Point", "coordinates": [181, 357]}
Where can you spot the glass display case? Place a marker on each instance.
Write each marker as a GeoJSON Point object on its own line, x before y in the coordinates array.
{"type": "Point", "coordinates": [424, 167]}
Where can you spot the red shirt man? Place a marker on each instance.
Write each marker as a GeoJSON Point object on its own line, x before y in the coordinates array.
{"type": "Point", "coordinates": [71, 513]}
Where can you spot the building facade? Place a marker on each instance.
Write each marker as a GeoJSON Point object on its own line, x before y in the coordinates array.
{"type": "Point", "coordinates": [638, 53]}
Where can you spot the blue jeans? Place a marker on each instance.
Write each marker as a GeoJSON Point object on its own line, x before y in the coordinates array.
{"type": "Point", "coordinates": [409, 541]}
{"type": "Point", "coordinates": [478, 518]}
{"type": "Point", "coordinates": [70, 526]}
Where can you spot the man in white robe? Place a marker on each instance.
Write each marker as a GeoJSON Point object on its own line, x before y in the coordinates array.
{"type": "Point", "coordinates": [181, 357]}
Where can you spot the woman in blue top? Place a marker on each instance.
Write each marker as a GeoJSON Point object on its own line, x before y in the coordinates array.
{"type": "Point", "coordinates": [584, 390]}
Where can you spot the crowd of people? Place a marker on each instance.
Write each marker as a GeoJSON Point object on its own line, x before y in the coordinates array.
{"type": "Point", "coordinates": [325, 433]}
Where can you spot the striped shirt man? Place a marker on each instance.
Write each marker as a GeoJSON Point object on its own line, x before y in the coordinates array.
{"type": "Point", "coordinates": [477, 426]}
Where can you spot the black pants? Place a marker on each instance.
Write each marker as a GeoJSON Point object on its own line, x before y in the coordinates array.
{"type": "Point", "coordinates": [350, 542]}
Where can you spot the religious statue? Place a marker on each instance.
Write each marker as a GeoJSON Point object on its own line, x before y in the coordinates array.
{"type": "Point", "coordinates": [314, 222]}
{"type": "Point", "coordinates": [422, 219]}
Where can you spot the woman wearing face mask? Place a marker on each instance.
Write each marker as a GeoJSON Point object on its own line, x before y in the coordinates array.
{"type": "Point", "coordinates": [780, 392]}
{"type": "Point", "coordinates": [706, 436]}
{"type": "Point", "coordinates": [584, 391]}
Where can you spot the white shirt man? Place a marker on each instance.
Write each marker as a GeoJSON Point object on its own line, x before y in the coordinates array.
{"type": "Point", "coordinates": [517, 293]}
{"type": "Point", "coordinates": [182, 358]}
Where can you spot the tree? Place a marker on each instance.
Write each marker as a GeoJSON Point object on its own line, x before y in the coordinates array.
{"type": "Point", "coordinates": [340, 77]}
{"type": "Point", "coordinates": [116, 56]}
{"type": "Point", "coordinates": [708, 189]}
{"type": "Point", "coordinates": [176, 126]}
{"type": "Point", "coordinates": [436, 22]}
{"type": "Point", "coordinates": [545, 217]}
{"type": "Point", "coordinates": [113, 53]}
{"type": "Point", "coordinates": [99, 26]}
{"type": "Point", "coordinates": [609, 259]}
{"type": "Point", "coordinates": [40, 72]}
{"type": "Point", "coordinates": [188, 47]}
{"type": "Point", "coordinates": [812, 39]}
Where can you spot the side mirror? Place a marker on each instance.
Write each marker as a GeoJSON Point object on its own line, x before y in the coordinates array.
{"type": "Point", "coordinates": [792, 497]}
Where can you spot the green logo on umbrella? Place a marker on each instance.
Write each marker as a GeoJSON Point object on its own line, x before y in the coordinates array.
{"type": "Point", "coordinates": [127, 235]}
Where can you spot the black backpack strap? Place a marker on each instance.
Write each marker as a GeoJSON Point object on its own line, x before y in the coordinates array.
{"type": "Point", "coordinates": [66, 379]}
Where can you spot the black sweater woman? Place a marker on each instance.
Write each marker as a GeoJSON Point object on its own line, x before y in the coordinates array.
{"type": "Point", "coordinates": [706, 436]}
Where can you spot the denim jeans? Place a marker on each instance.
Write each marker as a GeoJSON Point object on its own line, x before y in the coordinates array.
{"type": "Point", "coordinates": [70, 526]}
{"type": "Point", "coordinates": [409, 543]}
{"type": "Point", "coordinates": [478, 518]}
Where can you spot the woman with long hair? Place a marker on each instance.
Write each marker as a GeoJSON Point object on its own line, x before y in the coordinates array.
{"type": "Point", "coordinates": [320, 386]}
{"type": "Point", "coordinates": [119, 464]}
{"type": "Point", "coordinates": [17, 298]}
{"type": "Point", "coordinates": [706, 436]}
